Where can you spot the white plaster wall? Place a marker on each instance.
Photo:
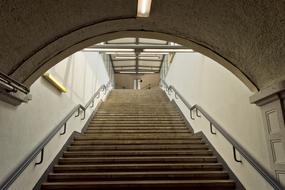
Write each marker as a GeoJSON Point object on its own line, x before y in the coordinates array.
{"type": "Point", "coordinates": [24, 127]}
{"type": "Point", "coordinates": [202, 81]}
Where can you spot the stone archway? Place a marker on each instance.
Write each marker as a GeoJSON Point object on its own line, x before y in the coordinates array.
{"type": "Point", "coordinates": [246, 37]}
{"type": "Point", "coordinates": [48, 63]}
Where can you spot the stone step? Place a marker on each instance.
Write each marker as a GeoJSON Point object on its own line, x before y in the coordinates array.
{"type": "Point", "coordinates": [97, 153]}
{"type": "Point", "coordinates": [136, 119]}
{"type": "Point", "coordinates": [115, 176]}
{"type": "Point", "coordinates": [172, 128]}
{"type": "Point", "coordinates": [140, 124]}
{"type": "Point", "coordinates": [136, 122]}
{"type": "Point", "coordinates": [139, 167]}
{"type": "Point", "coordinates": [139, 136]}
{"type": "Point", "coordinates": [144, 185]}
{"type": "Point", "coordinates": [140, 147]}
{"type": "Point", "coordinates": [138, 114]}
{"type": "Point", "coordinates": [151, 159]}
{"type": "Point", "coordinates": [114, 132]}
{"type": "Point", "coordinates": [135, 142]}
{"type": "Point", "coordinates": [127, 117]}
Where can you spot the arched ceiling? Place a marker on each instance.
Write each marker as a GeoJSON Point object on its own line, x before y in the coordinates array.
{"type": "Point", "coordinates": [248, 34]}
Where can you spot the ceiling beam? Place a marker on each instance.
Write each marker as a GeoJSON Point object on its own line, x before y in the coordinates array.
{"type": "Point", "coordinates": [139, 70]}
{"type": "Point", "coordinates": [155, 72]}
{"type": "Point", "coordinates": [150, 60]}
{"type": "Point", "coordinates": [134, 66]}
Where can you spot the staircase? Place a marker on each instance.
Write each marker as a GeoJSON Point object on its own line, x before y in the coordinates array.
{"type": "Point", "coordinates": [138, 140]}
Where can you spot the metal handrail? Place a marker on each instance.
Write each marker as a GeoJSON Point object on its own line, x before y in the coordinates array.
{"type": "Point", "coordinates": [40, 148]}
{"type": "Point", "coordinates": [236, 146]}
{"type": "Point", "coordinates": [13, 84]}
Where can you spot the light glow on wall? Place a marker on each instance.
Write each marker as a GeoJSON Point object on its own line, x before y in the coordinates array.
{"type": "Point", "coordinates": [55, 83]}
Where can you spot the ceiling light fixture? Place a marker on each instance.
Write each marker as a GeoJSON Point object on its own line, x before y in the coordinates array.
{"type": "Point", "coordinates": [143, 9]}
{"type": "Point", "coordinates": [109, 49]}
{"type": "Point", "coordinates": [120, 53]}
{"type": "Point", "coordinates": [149, 57]}
{"type": "Point", "coordinates": [146, 72]}
{"type": "Point", "coordinates": [169, 50]}
{"type": "Point", "coordinates": [127, 72]}
{"type": "Point", "coordinates": [125, 57]}
{"type": "Point", "coordinates": [154, 53]}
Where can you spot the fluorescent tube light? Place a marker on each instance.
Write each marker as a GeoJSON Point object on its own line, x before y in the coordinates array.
{"type": "Point", "coordinates": [149, 57]}
{"type": "Point", "coordinates": [168, 50]}
{"type": "Point", "coordinates": [127, 72]}
{"type": "Point", "coordinates": [154, 53]}
{"type": "Point", "coordinates": [143, 9]}
{"type": "Point", "coordinates": [125, 57]}
{"type": "Point", "coordinates": [140, 57]}
{"type": "Point", "coordinates": [109, 49]}
{"type": "Point", "coordinates": [120, 53]}
{"type": "Point", "coordinates": [146, 72]}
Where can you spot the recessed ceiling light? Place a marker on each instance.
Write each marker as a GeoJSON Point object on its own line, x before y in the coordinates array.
{"type": "Point", "coordinates": [143, 9]}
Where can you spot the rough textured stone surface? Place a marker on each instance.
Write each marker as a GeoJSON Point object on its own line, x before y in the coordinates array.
{"type": "Point", "coordinates": [249, 34]}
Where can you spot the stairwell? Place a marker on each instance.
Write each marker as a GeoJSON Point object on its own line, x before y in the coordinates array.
{"type": "Point", "coordinates": [138, 140]}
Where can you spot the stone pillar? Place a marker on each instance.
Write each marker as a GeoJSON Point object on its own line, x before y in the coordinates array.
{"type": "Point", "coordinates": [271, 101]}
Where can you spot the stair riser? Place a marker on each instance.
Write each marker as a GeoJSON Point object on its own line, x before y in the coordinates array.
{"type": "Point", "coordinates": [212, 186]}
{"type": "Point", "coordinates": [82, 154]}
{"type": "Point", "coordinates": [130, 147]}
{"type": "Point", "coordinates": [133, 117]}
{"type": "Point", "coordinates": [134, 161]}
{"type": "Point", "coordinates": [135, 137]}
{"type": "Point", "coordinates": [130, 169]}
{"type": "Point", "coordinates": [137, 128]}
{"type": "Point", "coordinates": [141, 142]}
{"type": "Point", "coordinates": [139, 124]}
{"type": "Point", "coordinates": [135, 122]}
{"type": "Point", "coordinates": [115, 132]}
{"type": "Point", "coordinates": [102, 177]}
{"type": "Point", "coordinates": [136, 119]}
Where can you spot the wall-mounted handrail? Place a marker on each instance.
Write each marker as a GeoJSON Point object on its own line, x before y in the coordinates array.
{"type": "Point", "coordinates": [14, 85]}
{"type": "Point", "coordinates": [40, 148]}
{"type": "Point", "coordinates": [236, 146]}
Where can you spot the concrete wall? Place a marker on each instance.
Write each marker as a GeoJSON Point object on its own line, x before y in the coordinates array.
{"type": "Point", "coordinates": [202, 81]}
{"type": "Point", "coordinates": [127, 80]}
{"type": "Point", "coordinates": [24, 127]}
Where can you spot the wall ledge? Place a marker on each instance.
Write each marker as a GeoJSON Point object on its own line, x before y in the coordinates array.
{"type": "Point", "coordinates": [268, 94]}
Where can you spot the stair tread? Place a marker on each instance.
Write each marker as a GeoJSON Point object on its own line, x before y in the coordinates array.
{"type": "Point", "coordinates": [146, 183]}
{"type": "Point", "coordinates": [152, 181]}
{"type": "Point", "coordinates": [141, 172]}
